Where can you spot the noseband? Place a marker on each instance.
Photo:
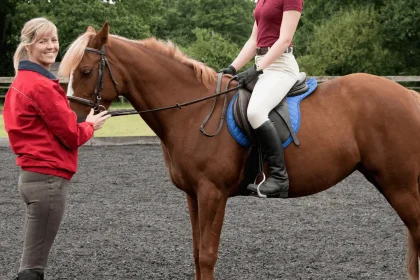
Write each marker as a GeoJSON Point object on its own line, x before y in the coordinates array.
{"type": "Point", "coordinates": [97, 93]}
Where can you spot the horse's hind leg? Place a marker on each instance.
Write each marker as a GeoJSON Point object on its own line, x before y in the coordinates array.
{"type": "Point", "coordinates": [412, 258]}
{"type": "Point", "coordinates": [406, 202]}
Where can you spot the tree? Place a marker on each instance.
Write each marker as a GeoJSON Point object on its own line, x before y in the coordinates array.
{"type": "Point", "coordinates": [400, 29]}
{"type": "Point", "coordinates": [72, 17]}
{"type": "Point", "coordinates": [334, 36]}
{"type": "Point", "coordinates": [178, 24]}
{"type": "Point", "coordinates": [148, 12]}
{"type": "Point", "coordinates": [349, 42]}
{"type": "Point", "coordinates": [316, 12]}
{"type": "Point", "coordinates": [212, 49]}
{"type": "Point", "coordinates": [7, 37]}
{"type": "Point", "coordinates": [231, 19]}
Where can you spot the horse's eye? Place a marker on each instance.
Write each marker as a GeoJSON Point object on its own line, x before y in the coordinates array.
{"type": "Point", "coordinates": [86, 71]}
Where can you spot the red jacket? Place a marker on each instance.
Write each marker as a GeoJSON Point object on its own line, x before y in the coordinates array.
{"type": "Point", "coordinates": [43, 130]}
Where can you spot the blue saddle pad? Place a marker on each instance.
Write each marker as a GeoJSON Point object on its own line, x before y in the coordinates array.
{"type": "Point", "coordinates": [293, 104]}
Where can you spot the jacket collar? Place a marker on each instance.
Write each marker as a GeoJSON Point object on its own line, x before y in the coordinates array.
{"type": "Point", "coordinates": [31, 66]}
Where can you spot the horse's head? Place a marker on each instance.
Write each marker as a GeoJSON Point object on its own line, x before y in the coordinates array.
{"type": "Point", "coordinates": [94, 81]}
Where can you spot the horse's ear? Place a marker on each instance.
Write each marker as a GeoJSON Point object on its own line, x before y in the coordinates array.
{"type": "Point", "coordinates": [91, 29]}
{"type": "Point", "coordinates": [102, 36]}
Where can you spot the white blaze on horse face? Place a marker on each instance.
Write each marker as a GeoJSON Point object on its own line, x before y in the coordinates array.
{"type": "Point", "coordinates": [69, 86]}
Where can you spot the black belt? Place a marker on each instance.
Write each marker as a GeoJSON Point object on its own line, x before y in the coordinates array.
{"type": "Point", "coordinates": [263, 51]}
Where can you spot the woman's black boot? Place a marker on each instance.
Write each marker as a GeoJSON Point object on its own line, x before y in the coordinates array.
{"type": "Point", "coordinates": [29, 274]}
{"type": "Point", "coordinates": [277, 184]}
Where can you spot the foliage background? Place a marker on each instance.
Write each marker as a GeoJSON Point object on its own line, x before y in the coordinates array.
{"type": "Point", "coordinates": [335, 37]}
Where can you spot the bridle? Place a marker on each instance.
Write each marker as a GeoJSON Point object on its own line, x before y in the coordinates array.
{"type": "Point", "coordinates": [99, 85]}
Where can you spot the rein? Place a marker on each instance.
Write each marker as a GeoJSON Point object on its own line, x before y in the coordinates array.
{"type": "Point", "coordinates": [177, 105]}
{"type": "Point", "coordinates": [97, 95]}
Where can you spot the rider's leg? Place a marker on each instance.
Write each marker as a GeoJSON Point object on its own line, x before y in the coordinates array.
{"type": "Point", "coordinates": [272, 86]}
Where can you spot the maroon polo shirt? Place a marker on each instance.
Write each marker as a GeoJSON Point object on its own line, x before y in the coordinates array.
{"type": "Point", "coordinates": [269, 14]}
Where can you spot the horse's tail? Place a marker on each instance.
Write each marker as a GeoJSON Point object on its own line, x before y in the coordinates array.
{"type": "Point", "coordinates": [412, 258]}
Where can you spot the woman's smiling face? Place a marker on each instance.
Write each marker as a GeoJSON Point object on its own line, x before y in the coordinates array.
{"type": "Point", "coordinates": [44, 50]}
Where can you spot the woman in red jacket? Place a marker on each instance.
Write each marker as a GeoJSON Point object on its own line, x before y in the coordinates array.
{"type": "Point", "coordinates": [277, 71]}
{"type": "Point", "coordinates": [44, 134]}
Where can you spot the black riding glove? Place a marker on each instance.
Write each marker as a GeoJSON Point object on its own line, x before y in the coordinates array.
{"type": "Point", "coordinates": [249, 75]}
{"type": "Point", "coordinates": [229, 70]}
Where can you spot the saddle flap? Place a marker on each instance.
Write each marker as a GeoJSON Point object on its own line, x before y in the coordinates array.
{"type": "Point", "coordinates": [279, 116]}
{"type": "Point", "coordinates": [250, 86]}
{"type": "Point", "coordinates": [240, 113]}
{"type": "Point", "coordinates": [286, 117]}
{"type": "Point", "coordinates": [281, 119]}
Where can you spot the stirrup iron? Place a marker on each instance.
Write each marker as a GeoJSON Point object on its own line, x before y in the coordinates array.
{"type": "Point", "coordinates": [258, 186]}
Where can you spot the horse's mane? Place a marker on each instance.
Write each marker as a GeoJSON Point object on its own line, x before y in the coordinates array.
{"type": "Point", "coordinates": [75, 52]}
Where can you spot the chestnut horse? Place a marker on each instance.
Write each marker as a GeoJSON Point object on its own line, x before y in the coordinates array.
{"type": "Point", "coordinates": [356, 122]}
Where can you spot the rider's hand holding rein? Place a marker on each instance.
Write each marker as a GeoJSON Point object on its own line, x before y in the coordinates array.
{"type": "Point", "coordinates": [228, 70]}
{"type": "Point", "coordinates": [98, 120]}
{"type": "Point", "coordinates": [249, 75]}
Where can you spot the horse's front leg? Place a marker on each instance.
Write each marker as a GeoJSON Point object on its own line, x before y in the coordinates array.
{"type": "Point", "coordinates": [211, 212]}
{"type": "Point", "coordinates": [193, 208]}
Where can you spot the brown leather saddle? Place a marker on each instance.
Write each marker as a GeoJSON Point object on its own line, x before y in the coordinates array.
{"type": "Point", "coordinates": [279, 115]}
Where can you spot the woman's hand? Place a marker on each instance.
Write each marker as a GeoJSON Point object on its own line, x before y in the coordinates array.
{"type": "Point", "coordinates": [98, 120]}
{"type": "Point", "coordinates": [249, 75]}
{"type": "Point", "coordinates": [228, 70]}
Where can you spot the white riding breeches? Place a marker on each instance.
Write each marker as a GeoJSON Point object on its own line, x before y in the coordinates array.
{"type": "Point", "coordinates": [272, 86]}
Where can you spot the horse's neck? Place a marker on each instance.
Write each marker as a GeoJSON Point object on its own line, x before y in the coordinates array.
{"type": "Point", "coordinates": [155, 81]}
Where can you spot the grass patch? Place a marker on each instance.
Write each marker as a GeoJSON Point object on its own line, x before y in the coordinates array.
{"type": "Point", "coordinates": [3, 133]}
{"type": "Point", "coordinates": [131, 125]}
{"type": "Point", "coordinates": [125, 126]}
{"type": "Point", "coordinates": [118, 105]}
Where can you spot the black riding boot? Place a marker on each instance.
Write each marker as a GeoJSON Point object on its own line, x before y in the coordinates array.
{"type": "Point", "coordinates": [29, 274]}
{"type": "Point", "coordinates": [277, 184]}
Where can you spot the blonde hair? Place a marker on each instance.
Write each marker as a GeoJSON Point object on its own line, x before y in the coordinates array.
{"type": "Point", "coordinates": [31, 32]}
